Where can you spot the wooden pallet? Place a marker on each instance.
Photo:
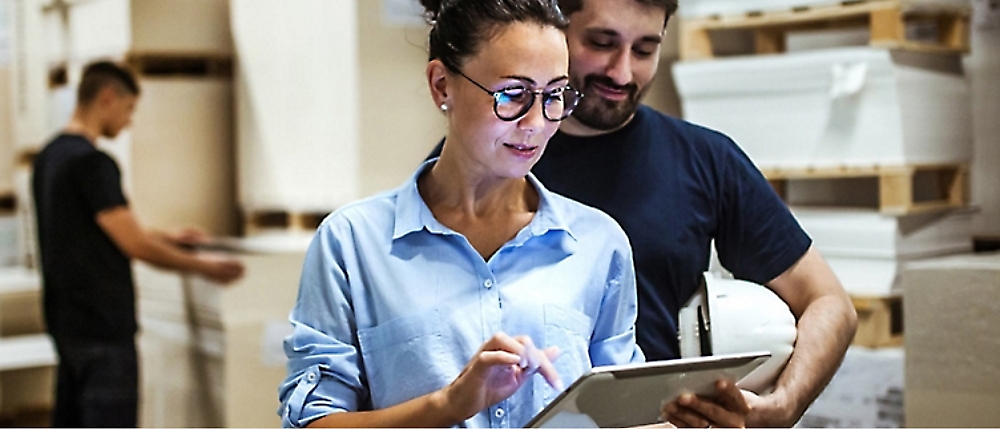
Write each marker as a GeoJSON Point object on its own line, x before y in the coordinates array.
{"type": "Point", "coordinates": [895, 183]}
{"type": "Point", "coordinates": [880, 321]}
{"type": "Point", "coordinates": [172, 64]}
{"type": "Point", "coordinates": [26, 157]}
{"type": "Point", "coordinates": [985, 244]}
{"type": "Point", "coordinates": [887, 20]}
{"type": "Point", "coordinates": [271, 220]}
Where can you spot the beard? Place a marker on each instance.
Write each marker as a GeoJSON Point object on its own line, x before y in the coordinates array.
{"type": "Point", "coordinates": [602, 114]}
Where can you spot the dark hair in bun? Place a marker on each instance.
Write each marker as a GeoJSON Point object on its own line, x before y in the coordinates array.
{"type": "Point", "coordinates": [459, 27]}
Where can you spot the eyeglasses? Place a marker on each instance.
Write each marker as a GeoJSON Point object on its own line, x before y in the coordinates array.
{"type": "Point", "coordinates": [513, 102]}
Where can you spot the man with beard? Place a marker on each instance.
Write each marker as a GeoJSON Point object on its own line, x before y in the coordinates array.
{"type": "Point", "coordinates": [674, 187]}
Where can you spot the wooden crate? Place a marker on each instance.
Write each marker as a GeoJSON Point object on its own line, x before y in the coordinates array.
{"type": "Point", "coordinates": [880, 321]}
{"type": "Point", "coordinates": [254, 222]}
{"type": "Point", "coordinates": [886, 19]}
{"type": "Point", "coordinates": [896, 184]}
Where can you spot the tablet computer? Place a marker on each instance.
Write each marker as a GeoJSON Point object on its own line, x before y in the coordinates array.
{"type": "Point", "coordinates": [633, 394]}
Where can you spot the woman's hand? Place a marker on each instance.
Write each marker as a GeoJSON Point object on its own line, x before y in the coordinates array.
{"type": "Point", "coordinates": [500, 367]}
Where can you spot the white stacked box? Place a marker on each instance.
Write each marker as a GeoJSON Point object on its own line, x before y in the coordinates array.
{"type": "Point", "coordinates": [855, 106]}
{"type": "Point", "coordinates": [701, 8]}
{"type": "Point", "coordinates": [298, 120]}
{"type": "Point", "coordinates": [866, 392]}
{"type": "Point", "coordinates": [951, 312]}
{"type": "Point", "coordinates": [212, 355]}
{"type": "Point", "coordinates": [868, 250]}
{"type": "Point", "coordinates": [181, 155]}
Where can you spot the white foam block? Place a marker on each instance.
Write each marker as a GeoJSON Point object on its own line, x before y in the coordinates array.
{"type": "Point", "coordinates": [847, 106]}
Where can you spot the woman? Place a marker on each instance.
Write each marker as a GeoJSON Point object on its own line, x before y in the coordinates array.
{"type": "Point", "coordinates": [435, 304]}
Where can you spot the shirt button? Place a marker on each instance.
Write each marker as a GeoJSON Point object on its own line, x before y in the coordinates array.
{"type": "Point", "coordinates": [499, 413]}
{"type": "Point", "coordinates": [311, 377]}
{"type": "Point", "coordinates": [488, 283]}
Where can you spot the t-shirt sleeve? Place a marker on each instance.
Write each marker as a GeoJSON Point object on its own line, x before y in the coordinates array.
{"type": "Point", "coordinates": [758, 238]}
{"type": "Point", "coordinates": [100, 182]}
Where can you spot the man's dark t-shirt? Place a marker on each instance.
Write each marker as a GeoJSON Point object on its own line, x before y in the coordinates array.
{"type": "Point", "coordinates": [88, 289]}
{"type": "Point", "coordinates": [673, 187]}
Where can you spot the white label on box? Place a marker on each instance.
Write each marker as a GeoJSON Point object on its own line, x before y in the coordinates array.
{"type": "Point", "coordinates": [272, 351]}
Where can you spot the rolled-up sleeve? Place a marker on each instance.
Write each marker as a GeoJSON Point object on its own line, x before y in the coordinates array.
{"type": "Point", "coordinates": [613, 342]}
{"type": "Point", "coordinates": [324, 370]}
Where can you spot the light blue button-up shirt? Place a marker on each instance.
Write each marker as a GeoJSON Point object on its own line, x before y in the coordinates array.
{"type": "Point", "coordinates": [392, 304]}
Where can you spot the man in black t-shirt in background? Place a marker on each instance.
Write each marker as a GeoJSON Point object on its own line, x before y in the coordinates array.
{"type": "Point", "coordinates": [88, 235]}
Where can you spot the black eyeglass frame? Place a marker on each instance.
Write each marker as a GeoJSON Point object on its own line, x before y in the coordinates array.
{"type": "Point", "coordinates": [568, 110]}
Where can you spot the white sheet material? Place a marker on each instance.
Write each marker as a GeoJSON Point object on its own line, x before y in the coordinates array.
{"type": "Point", "coordinates": [862, 233]}
{"type": "Point", "coordinates": [846, 106]}
{"type": "Point", "coordinates": [867, 251]}
{"type": "Point", "coordinates": [18, 280]}
{"type": "Point", "coordinates": [27, 351]}
{"type": "Point", "coordinates": [698, 8]}
{"type": "Point", "coordinates": [298, 129]}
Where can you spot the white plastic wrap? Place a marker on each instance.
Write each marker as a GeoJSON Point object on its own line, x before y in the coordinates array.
{"type": "Point", "coordinates": [839, 107]}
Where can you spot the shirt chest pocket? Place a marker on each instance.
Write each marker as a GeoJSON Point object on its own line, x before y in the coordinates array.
{"type": "Point", "coordinates": [399, 358]}
{"type": "Point", "coordinates": [570, 330]}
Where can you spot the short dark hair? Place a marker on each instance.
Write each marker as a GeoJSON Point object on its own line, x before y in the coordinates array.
{"type": "Point", "coordinates": [100, 74]}
{"type": "Point", "coordinates": [459, 27]}
{"type": "Point", "coordinates": [569, 7]}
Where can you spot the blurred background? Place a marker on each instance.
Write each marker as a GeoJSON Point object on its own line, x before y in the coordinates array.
{"type": "Point", "coordinates": [878, 121]}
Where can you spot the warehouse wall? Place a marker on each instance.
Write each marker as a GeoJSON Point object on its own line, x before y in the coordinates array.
{"type": "Point", "coordinates": [399, 124]}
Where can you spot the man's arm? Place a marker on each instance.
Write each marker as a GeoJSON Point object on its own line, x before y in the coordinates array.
{"type": "Point", "coordinates": [826, 322]}
{"type": "Point", "coordinates": [123, 228]}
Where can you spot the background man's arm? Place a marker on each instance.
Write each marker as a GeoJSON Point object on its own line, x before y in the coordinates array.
{"type": "Point", "coordinates": [121, 225]}
{"type": "Point", "coordinates": [826, 322]}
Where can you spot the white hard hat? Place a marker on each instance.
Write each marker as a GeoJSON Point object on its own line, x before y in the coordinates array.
{"type": "Point", "coordinates": [729, 316]}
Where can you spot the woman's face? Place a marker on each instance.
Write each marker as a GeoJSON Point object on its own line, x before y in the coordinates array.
{"type": "Point", "coordinates": [521, 55]}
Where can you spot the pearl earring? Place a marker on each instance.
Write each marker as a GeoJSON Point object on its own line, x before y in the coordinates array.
{"type": "Point", "coordinates": [444, 107]}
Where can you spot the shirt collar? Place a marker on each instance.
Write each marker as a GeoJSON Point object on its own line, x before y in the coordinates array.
{"type": "Point", "coordinates": [412, 213]}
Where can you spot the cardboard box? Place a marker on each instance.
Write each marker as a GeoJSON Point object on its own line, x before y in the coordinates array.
{"type": "Point", "coordinates": [951, 312]}
{"type": "Point", "coordinates": [838, 107]}
{"type": "Point", "coordinates": [867, 391]}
